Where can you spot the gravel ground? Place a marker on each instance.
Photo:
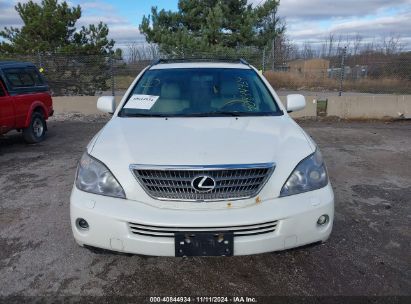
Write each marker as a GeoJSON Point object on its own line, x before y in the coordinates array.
{"type": "Point", "coordinates": [368, 252]}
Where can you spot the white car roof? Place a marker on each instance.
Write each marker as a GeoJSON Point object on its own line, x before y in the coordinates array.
{"type": "Point", "coordinates": [191, 64]}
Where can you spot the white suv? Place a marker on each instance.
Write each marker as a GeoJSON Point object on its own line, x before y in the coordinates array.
{"type": "Point", "coordinates": [201, 159]}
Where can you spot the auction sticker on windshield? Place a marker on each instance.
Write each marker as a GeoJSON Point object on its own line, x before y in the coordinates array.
{"type": "Point", "coordinates": [143, 102]}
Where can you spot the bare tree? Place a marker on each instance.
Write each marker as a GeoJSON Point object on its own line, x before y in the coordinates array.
{"type": "Point", "coordinates": [285, 49]}
{"type": "Point", "coordinates": [324, 47]}
{"type": "Point", "coordinates": [391, 44]}
{"type": "Point", "coordinates": [307, 51]}
{"type": "Point", "coordinates": [133, 52]}
{"type": "Point", "coordinates": [339, 45]}
{"type": "Point", "coordinates": [330, 44]}
{"type": "Point", "coordinates": [141, 51]}
{"type": "Point", "coordinates": [153, 51]}
{"type": "Point", "coordinates": [357, 42]}
{"type": "Point", "coordinates": [348, 41]}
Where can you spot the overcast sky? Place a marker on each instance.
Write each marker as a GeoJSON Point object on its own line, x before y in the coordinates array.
{"type": "Point", "coordinates": [310, 21]}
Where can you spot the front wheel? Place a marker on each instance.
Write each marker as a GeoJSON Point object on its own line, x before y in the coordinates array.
{"type": "Point", "coordinates": [36, 131]}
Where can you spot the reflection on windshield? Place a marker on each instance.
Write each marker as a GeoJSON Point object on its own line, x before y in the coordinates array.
{"type": "Point", "coordinates": [200, 92]}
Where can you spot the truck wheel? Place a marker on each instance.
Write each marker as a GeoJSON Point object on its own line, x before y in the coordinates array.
{"type": "Point", "coordinates": [36, 131]}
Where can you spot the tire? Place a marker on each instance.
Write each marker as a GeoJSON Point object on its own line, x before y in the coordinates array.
{"type": "Point", "coordinates": [36, 131]}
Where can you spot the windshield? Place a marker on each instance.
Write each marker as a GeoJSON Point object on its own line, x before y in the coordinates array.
{"type": "Point", "coordinates": [200, 92]}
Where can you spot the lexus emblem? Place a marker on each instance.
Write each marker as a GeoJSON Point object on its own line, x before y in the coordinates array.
{"type": "Point", "coordinates": [203, 183]}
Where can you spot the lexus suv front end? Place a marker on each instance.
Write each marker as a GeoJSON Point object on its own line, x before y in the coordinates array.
{"type": "Point", "coordinates": [201, 159]}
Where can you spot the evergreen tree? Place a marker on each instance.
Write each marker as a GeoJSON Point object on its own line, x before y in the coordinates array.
{"type": "Point", "coordinates": [49, 26]}
{"type": "Point", "coordinates": [74, 60]}
{"type": "Point", "coordinates": [211, 26]}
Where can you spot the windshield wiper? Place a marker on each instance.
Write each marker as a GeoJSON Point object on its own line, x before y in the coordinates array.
{"type": "Point", "coordinates": [199, 114]}
{"type": "Point", "coordinates": [218, 113]}
{"type": "Point", "coordinates": [142, 115]}
{"type": "Point", "coordinates": [234, 114]}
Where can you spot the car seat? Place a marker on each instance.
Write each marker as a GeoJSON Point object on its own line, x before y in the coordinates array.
{"type": "Point", "coordinates": [170, 100]}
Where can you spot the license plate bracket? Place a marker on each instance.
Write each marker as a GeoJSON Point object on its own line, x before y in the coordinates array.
{"type": "Point", "coordinates": [204, 244]}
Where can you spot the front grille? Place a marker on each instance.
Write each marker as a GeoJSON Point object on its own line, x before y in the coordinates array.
{"type": "Point", "coordinates": [176, 183]}
{"type": "Point", "coordinates": [243, 230]}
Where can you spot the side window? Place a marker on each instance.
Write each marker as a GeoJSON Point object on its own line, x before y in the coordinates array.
{"type": "Point", "coordinates": [20, 78]}
{"type": "Point", "coordinates": [13, 77]}
{"type": "Point", "coordinates": [35, 75]}
{"type": "Point", "coordinates": [2, 93]}
{"type": "Point", "coordinates": [26, 79]}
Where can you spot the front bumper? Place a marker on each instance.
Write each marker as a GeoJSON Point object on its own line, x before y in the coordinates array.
{"type": "Point", "coordinates": [109, 220]}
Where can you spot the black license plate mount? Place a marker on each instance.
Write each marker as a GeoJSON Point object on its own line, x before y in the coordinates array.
{"type": "Point", "coordinates": [204, 244]}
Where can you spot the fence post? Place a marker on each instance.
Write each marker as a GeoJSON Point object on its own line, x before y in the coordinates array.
{"type": "Point", "coordinates": [112, 75]}
{"type": "Point", "coordinates": [273, 50]}
{"type": "Point", "coordinates": [39, 60]}
{"type": "Point", "coordinates": [342, 70]}
{"type": "Point", "coordinates": [263, 59]}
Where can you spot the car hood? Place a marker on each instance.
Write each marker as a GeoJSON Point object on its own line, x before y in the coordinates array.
{"type": "Point", "coordinates": [200, 141]}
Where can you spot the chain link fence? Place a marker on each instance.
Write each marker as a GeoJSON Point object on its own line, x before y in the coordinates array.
{"type": "Point", "coordinates": [372, 72]}
{"type": "Point", "coordinates": [74, 74]}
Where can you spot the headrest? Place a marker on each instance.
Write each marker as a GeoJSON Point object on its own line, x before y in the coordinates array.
{"type": "Point", "coordinates": [229, 88]}
{"type": "Point", "coordinates": [170, 91]}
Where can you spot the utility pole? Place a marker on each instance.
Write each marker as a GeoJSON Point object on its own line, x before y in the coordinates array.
{"type": "Point", "coordinates": [274, 36]}
{"type": "Point", "coordinates": [263, 59]}
{"type": "Point", "coordinates": [273, 46]}
{"type": "Point", "coordinates": [342, 69]}
{"type": "Point", "coordinates": [113, 92]}
{"type": "Point", "coordinates": [40, 64]}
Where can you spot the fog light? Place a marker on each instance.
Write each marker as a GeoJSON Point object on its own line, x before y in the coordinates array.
{"type": "Point", "coordinates": [82, 224]}
{"type": "Point", "coordinates": [323, 219]}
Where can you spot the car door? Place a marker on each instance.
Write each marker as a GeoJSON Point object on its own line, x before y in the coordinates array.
{"type": "Point", "coordinates": [7, 117]}
{"type": "Point", "coordinates": [24, 85]}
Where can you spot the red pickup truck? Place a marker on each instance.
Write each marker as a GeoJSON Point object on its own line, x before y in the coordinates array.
{"type": "Point", "coordinates": [25, 100]}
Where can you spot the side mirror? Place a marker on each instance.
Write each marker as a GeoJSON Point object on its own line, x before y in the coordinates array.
{"type": "Point", "coordinates": [106, 104]}
{"type": "Point", "coordinates": [295, 102]}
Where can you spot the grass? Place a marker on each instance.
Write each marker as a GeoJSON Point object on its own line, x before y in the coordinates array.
{"type": "Point", "coordinates": [285, 80]}
{"type": "Point", "coordinates": [322, 107]}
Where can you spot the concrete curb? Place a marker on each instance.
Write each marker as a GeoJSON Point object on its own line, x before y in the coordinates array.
{"type": "Point", "coordinates": [346, 107]}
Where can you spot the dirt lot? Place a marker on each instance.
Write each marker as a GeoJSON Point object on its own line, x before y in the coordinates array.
{"type": "Point", "coordinates": [368, 252]}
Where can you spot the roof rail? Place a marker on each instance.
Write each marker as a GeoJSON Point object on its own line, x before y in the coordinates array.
{"type": "Point", "coordinates": [180, 60]}
{"type": "Point", "coordinates": [155, 61]}
{"type": "Point", "coordinates": [243, 61]}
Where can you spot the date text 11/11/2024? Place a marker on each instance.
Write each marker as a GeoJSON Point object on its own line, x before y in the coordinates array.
{"type": "Point", "coordinates": [203, 299]}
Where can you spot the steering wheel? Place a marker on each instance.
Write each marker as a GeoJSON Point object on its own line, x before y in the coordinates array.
{"type": "Point", "coordinates": [233, 102]}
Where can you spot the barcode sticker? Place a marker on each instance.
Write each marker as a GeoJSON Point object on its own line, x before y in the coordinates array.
{"type": "Point", "coordinates": [143, 102]}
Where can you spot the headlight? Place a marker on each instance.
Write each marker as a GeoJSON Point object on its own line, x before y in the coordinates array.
{"type": "Point", "coordinates": [310, 174]}
{"type": "Point", "coordinates": [93, 176]}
